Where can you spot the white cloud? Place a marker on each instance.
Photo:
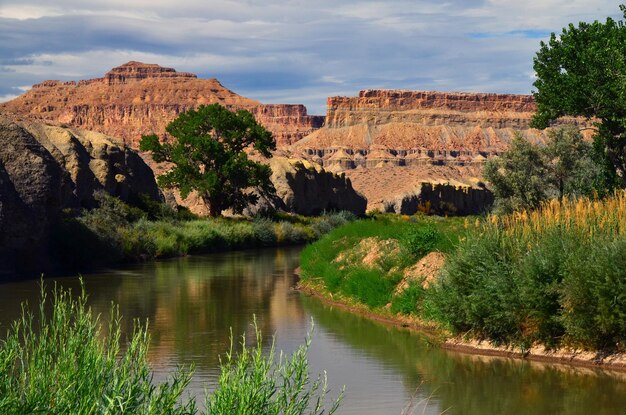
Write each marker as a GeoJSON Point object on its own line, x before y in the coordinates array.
{"type": "Point", "coordinates": [293, 51]}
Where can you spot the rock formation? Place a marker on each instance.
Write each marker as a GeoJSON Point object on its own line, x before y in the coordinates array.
{"type": "Point", "coordinates": [308, 189]}
{"type": "Point", "coordinates": [137, 98]}
{"type": "Point", "coordinates": [442, 199]}
{"type": "Point", "coordinates": [45, 169]}
{"type": "Point", "coordinates": [406, 128]}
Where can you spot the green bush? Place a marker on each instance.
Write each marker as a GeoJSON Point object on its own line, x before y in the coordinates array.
{"type": "Point", "coordinates": [63, 362]}
{"type": "Point", "coordinates": [556, 276]}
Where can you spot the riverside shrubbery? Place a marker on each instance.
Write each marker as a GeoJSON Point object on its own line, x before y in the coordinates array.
{"type": "Point", "coordinates": [63, 362]}
{"type": "Point", "coordinates": [556, 276]}
{"type": "Point", "coordinates": [396, 243]}
{"type": "Point", "coordinates": [119, 232]}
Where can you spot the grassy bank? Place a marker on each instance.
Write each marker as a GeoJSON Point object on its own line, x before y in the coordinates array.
{"type": "Point", "coordinates": [116, 232]}
{"type": "Point", "coordinates": [366, 260]}
{"type": "Point", "coordinates": [65, 362]}
{"type": "Point", "coordinates": [555, 277]}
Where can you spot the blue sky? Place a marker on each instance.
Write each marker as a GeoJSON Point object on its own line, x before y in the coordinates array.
{"type": "Point", "coordinates": [295, 51]}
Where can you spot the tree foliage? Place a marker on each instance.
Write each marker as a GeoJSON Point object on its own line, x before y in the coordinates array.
{"type": "Point", "coordinates": [528, 174]}
{"type": "Point", "coordinates": [208, 154]}
{"type": "Point", "coordinates": [582, 73]}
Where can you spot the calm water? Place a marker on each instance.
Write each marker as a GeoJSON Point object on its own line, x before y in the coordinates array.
{"type": "Point", "coordinates": [193, 302]}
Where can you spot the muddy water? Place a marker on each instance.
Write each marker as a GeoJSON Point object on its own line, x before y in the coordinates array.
{"type": "Point", "coordinates": [191, 304]}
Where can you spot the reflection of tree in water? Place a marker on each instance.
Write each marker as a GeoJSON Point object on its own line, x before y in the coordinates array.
{"type": "Point", "coordinates": [193, 302]}
{"type": "Point", "coordinates": [476, 385]}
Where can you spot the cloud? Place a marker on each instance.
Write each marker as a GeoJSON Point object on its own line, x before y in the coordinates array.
{"type": "Point", "coordinates": [296, 50]}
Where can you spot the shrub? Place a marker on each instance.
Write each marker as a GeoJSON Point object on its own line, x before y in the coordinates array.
{"type": "Point", "coordinates": [62, 364]}
{"type": "Point", "coordinates": [421, 240]}
{"type": "Point", "coordinates": [251, 383]}
{"type": "Point", "coordinates": [556, 276]}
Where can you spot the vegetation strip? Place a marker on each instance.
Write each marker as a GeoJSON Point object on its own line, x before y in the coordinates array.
{"type": "Point", "coordinates": [546, 285]}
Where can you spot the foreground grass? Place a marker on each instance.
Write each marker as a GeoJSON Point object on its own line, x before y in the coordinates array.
{"type": "Point", "coordinates": [554, 277]}
{"type": "Point", "coordinates": [65, 363]}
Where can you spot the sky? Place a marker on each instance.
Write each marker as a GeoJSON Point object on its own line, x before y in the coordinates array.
{"type": "Point", "coordinates": [294, 51]}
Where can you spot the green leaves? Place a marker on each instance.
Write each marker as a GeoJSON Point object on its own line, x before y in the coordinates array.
{"type": "Point", "coordinates": [209, 156]}
{"type": "Point", "coordinates": [527, 174]}
{"type": "Point", "coordinates": [582, 73]}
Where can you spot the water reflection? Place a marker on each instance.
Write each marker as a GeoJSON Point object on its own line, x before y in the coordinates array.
{"type": "Point", "coordinates": [193, 302]}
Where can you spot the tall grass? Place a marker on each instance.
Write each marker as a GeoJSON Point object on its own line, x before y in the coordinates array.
{"type": "Point", "coordinates": [253, 383]}
{"type": "Point", "coordinates": [555, 276]}
{"type": "Point", "coordinates": [61, 361]}
{"type": "Point", "coordinates": [64, 364]}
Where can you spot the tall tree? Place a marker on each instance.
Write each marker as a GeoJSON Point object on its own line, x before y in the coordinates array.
{"type": "Point", "coordinates": [517, 177]}
{"type": "Point", "coordinates": [208, 155]}
{"type": "Point", "coordinates": [582, 73]}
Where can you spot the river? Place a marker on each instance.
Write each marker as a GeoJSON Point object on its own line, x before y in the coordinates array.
{"type": "Point", "coordinates": [193, 302]}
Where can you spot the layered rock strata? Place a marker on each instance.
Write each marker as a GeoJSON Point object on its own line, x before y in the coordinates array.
{"type": "Point", "coordinates": [137, 98]}
{"type": "Point", "coordinates": [417, 128]}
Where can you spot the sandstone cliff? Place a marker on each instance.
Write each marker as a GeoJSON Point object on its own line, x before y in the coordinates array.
{"type": "Point", "coordinates": [308, 189]}
{"type": "Point", "coordinates": [407, 128]}
{"type": "Point", "coordinates": [45, 169]}
{"type": "Point", "coordinates": [136, 98]}
{"type": "Point", "coordinates": [443, 199]}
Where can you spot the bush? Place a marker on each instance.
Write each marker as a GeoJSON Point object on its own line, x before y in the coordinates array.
{"type": "Point", "coordinates": [556, 276]}
{"type": "Point", "coordinates": [421, 240]}
{"type": "Point", "coordinates": [64, 363]}
{"type": "Point", "coordinates": [251, 383]}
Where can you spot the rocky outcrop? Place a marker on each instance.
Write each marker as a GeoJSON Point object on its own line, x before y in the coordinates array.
{"type": "Point", "coordinates": [307, 189]}
{"type": "Point", "coordinates": [94, 162]}
{"type": "Point", "coordinates": [442, 199]}
{"type": "Point", "coordinates": [44, 170]}
{"type": "Point", "coordinates": [33, 189]}
{"type": "Point", "coordinates": [418, 127]}
{"type": "Point", "coordinates": [137, 98]}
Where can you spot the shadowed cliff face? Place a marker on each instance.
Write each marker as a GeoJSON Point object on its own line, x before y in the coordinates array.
{"type": "Point", "coordinates": [138, 98]}
{"type": "Point", "coordinates": [45, 169]}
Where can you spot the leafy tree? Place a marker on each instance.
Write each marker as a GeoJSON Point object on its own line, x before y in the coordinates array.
{"type": "Point", "coordinates": [571, 169]}
{"type": "Point", "coordinates": [517, 176]}
{"type": "Point", "coordinates": [208, 156]}
{"type": "Point", "coordinates": [582, 73]}
{"type": "Point", "coordinates": [528, 174]}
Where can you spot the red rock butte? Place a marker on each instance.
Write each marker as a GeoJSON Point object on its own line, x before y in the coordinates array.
{"type": "Point", "coordinates": [137, 98]}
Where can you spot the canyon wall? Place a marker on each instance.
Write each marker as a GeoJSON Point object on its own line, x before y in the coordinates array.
{"type": "Point", "coordinates": [137, 98]}
{"type": "Point", "coordinates": [416, 128]}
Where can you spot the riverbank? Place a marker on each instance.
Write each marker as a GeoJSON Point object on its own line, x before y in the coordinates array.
{"type": "Point", "coordinates": [516, 286]}
{"type": "Point", "coordinates": [117, 233]}
{"type": "Point", "coordinates": [443, 339]}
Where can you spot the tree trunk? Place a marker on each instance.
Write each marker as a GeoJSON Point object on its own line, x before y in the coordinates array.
{"type": "Point", "coordinates": [214, 205]}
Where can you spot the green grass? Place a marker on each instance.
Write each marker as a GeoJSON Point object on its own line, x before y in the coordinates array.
{"type": "Point", "coordinates": [413, 238]}
{"type": "Point", "coordinates": [64, 362]}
